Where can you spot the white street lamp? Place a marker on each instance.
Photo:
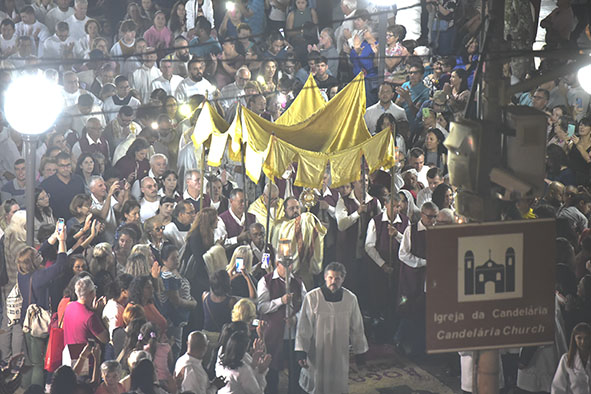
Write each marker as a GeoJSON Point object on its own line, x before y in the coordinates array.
{"type": "Point", "coordinates": [584, 77]}
{"type": "Point", "coordinates": [32, 103]}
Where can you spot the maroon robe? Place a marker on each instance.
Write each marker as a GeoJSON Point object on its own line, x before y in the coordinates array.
{"type": "Point", "coordinates": [103, 147]}
{"type": "Point", "coordinates": [206, 202]}
{"type": "Point", "coordinates": [234, 229]}
{"type": "Point", "coordinates": [412, 280]}
{"type": "Point", "coordinates": [274, 332]}
{"type": "Point", "coordinates": [351, 245]}
{"type": "Point", "coordinates": [381, 285]}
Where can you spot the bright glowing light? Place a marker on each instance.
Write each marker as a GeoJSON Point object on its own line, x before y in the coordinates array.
{"type": "Point", "coordinates": [230, 6]}
{"type": "Point", "coordinates": [584, 77]}
{"type": "Point", "coordinates": [261, 79]}
{"type": "Point", "coordinates": [32, 103]}
{"type": "Point", "coordinates": [154, 125]}
{"type": "Point", "coordinates": [185, 110]}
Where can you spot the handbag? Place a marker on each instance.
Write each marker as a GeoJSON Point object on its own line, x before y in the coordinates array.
{"type": "Point", "coordinates": [14, 304]}
{"type": "Point", "coordinates": [55, 345]}
{"type": "Point", "coordinates": [37, 319]}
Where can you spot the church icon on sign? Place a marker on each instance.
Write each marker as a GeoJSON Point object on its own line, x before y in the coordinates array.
{"type": "Point", "coordinates": [490, 267]}
{"type": "Point", "coordinates": [502, 275]}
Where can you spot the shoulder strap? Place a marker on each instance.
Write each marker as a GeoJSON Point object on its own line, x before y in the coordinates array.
{"type": "Point", "coordinates": [30, 287]}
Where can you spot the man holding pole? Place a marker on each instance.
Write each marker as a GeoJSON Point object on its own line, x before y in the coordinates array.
{"type": "Point", "coordinates": [279, 335]}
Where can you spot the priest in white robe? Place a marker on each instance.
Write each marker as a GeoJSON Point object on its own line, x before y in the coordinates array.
{"type": "Point", "coordinates": [330, 321]}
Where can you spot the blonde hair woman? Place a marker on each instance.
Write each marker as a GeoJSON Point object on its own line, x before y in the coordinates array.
{"type": "Point", "coordinates": [15, 240]}
{"type": "Point", "coordinates": [245, 310]}
{"type": "Point", "coordinates": [241, 280]}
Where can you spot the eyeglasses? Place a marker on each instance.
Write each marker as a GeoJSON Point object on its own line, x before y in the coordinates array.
{"type": "Point", "coordinates": [389, 35]}
{"type": "Point", "coordinates": [432, 217]}
{"type": "Point", "coordinates": [159, 228]}
{"type": "Point", "coordinates": [539, 97]}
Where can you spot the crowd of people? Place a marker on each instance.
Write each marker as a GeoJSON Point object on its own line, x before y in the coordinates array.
{"type": "Point", "coordinates": [154, 273]}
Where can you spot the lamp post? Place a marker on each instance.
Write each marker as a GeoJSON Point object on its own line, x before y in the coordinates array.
{"type": "Point", "coordinates": [383, 7]}
{"type": "Point", "coordinates": [31, 105]}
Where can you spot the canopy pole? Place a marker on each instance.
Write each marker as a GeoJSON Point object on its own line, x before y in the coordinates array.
{"type": "Point", "coordinates": [202, 177]}
{"type": "Point", "coordinates": [242, 154]}
{"type": "Point", "coordinates": [267, 233]}
{"type": "Point", "coordinates": [360, 235]}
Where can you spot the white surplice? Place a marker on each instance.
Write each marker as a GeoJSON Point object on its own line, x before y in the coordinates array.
{"type": "Point", "coordinates": [325, 332]}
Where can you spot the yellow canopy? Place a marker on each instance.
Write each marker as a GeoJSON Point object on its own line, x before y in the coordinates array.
{"type": "Point", "coordinates": [345, 165]}
{"type": "Point", "coordinates": [308, 101]}
{"type": "Point", "coordinates": [324, 132]}
{"type": "Point", "coordinates": [337, 126]}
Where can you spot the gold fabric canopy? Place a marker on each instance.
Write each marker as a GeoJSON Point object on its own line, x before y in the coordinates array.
{"type": "Point", "coordinates": [325, 132]}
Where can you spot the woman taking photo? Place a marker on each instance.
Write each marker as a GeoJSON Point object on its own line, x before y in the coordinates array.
{"type": "Point", "coordinates": [34, 282]}
{"type": "Point", "coordinates": [240, 267]}
{"type": "Point", "coordinates": [574, 370]}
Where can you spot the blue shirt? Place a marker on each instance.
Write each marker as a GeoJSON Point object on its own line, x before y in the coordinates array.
{"type": "Point", "coordinates": [211, 46]}
{"type": "Point", "coordinates": [364, 60]}
{"type": "Point", "coordinates": [418, 94]}
{"type": "Point", "coordinates": [257, 20]}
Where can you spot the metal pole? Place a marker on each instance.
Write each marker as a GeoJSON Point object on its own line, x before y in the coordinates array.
{"type": "Point", "coordinates": [30, 145]}
{"type": "Point", "coordinates": [202, 177]}
{"type": "Point", "coordinates": [268, 232]}
{"type": "Point", "coordinates": [242, 154]}
{"type": "Point", "coordinates": [488, 363]}
{"type": "Point", "coordinates": [382, 27]}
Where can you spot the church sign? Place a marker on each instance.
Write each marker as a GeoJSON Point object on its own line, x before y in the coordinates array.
{"type": "Point", "coordinates": [490, 285]}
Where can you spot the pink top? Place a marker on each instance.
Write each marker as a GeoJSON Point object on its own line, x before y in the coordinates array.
{"type": "Point", "coordinates": [158, 38]}
{"type": "Point", "coordinates": [80, 323]}
{"type": "Point", "coordinates": [161, 361]}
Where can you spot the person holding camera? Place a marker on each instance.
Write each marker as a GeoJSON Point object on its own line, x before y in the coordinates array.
{"type": "Point", "coordinates": [279, 337]}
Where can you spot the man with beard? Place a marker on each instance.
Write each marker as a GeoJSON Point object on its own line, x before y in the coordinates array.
{"type": "Point", "coordinates": [330, 326]}
{"type": "Point", "coordinates": [306, 233]}
{"type": "Point", "coordinates": [194, 83]}
{"type": "Point", "coordinates": [180, 57]}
